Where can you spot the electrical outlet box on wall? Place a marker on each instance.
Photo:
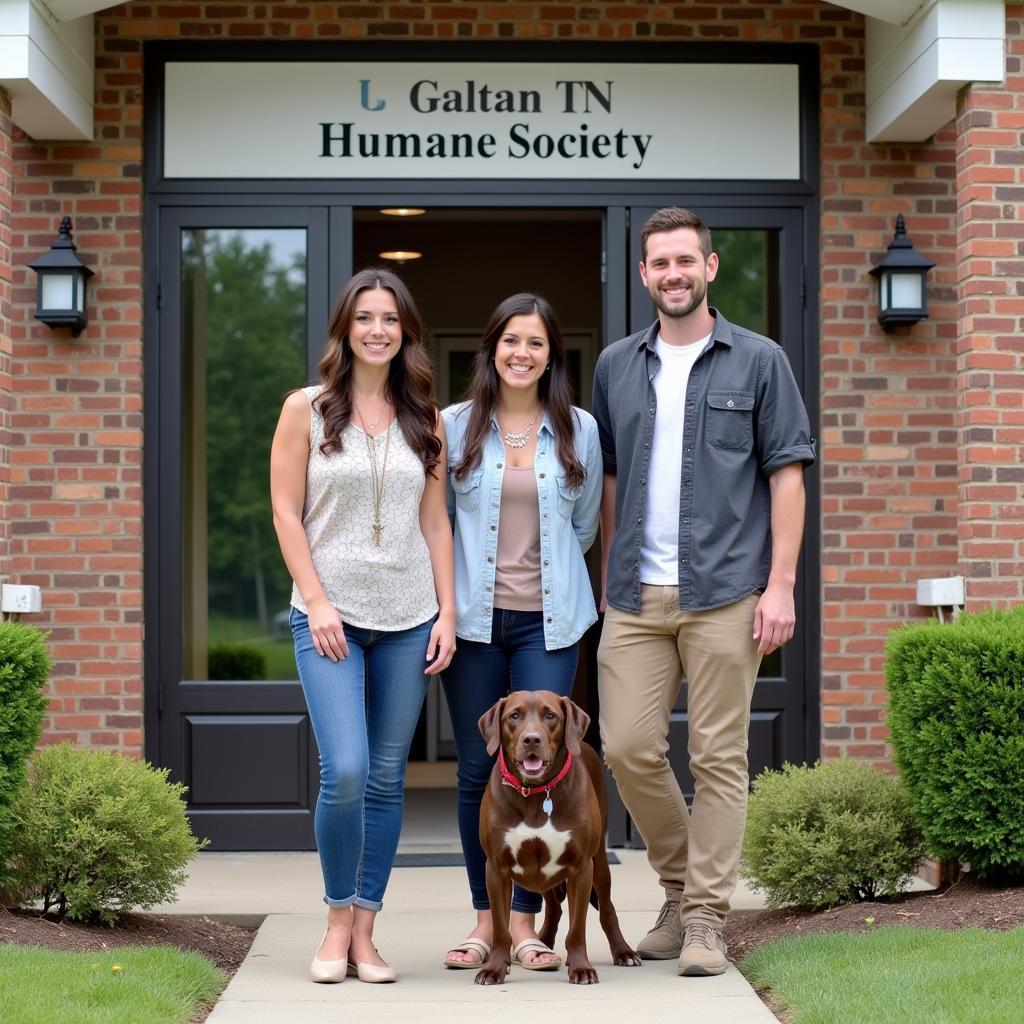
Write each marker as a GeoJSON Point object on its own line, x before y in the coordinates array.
{"type": "Point", "coordinates": [941, 592]}
{"type": "Point", "coordinates": [20, 598]}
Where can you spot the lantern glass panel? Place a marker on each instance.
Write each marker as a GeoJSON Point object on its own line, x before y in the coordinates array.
{"type": "Point", "coordinates": [883, 292]}
{"type": "Point", "coordinates": [58, 289]}
{"type": "Point", "coordinates": [906, 290]}
{"type": "Point", "coordinates": [80, 293]}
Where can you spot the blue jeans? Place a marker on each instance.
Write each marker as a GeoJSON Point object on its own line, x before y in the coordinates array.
{"type": "Point", "coordinates": [479, 675]}
{"type": "Point", "coordinates": [364, 712]}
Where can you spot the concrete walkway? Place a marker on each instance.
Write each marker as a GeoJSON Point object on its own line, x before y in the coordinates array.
{"type": "Point", "coordinates": [416, 926]}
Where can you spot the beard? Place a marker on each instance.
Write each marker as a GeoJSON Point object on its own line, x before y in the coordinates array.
{"type": "Point", "coordinates": [684, 306]}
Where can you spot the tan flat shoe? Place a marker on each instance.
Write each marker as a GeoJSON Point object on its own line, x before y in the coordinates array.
{"type": "Point", "coordinates": [327, 972]}
{"type": "Point", "coordinates": [372, 974]}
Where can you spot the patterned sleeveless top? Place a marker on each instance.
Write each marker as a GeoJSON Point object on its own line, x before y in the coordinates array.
{"type": "Point", "coordinates": [389, 587]}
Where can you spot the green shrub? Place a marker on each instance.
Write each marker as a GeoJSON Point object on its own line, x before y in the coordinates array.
{"type": "Point", "coordinates": [236, 661]}
{"type": "Point", "coordinates": [24, 667]}
{"type": "Point", "coordinates": [99, 833]}
{"type": "Point", "coordinates": [836, 833]}
{"type": "Point", "coordinates": [956, 711]}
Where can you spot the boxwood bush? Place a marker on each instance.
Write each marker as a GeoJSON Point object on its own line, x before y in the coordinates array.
{"type": "Point", "coordinates": [956, 700]}
{"type": "Point", "coordinates": [99, 833]}
{"type": "Point", "coordinates": [836, 833]}
{"type": "Point", "coordinates": [24, 668]}
{"type": "Point", "coordinates": [236, 661]}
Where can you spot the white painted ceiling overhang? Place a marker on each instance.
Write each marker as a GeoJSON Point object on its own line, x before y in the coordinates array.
{"type": "Point", "coordinates": [918, 55]}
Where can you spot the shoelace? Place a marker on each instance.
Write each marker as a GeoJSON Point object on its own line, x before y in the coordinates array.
{"type": "Point", "coordinates": [668, 908]}
{"type": "Point", "coordinates": [702, 933]}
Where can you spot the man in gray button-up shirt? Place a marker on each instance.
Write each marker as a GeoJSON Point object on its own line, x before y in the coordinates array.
{"type": "Point", "coordinates": [704, 437]}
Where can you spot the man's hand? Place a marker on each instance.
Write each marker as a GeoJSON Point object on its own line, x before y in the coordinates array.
{"type": "Point", "coordinates": [774, 618]}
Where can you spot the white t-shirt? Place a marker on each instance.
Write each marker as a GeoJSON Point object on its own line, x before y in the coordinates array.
{"type": "Point", "coordinates": [659, 553]}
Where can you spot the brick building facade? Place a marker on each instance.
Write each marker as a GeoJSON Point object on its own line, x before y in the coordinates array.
{"type": "Point", "coordinates": [921, 430]}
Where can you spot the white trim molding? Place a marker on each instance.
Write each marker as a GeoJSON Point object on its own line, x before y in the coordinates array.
{"type": "Point", "coordinates": [914, 72]}
{"type": "Point", "coordinates": [47, 68]}
{"type": "Point", "coordinates": [895, 12]}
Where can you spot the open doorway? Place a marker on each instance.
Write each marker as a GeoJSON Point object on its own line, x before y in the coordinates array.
{"type": "Point", "coordinates": [469, 260]}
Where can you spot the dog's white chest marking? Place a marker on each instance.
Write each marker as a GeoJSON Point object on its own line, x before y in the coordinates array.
{"type": "Point", "coordinates": [554, 840]}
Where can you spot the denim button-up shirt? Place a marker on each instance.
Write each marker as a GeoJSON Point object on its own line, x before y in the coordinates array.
{"type": "Point", "coordinates": [745, 420]}
{"type": "Point", "coordinates": [568, 524]}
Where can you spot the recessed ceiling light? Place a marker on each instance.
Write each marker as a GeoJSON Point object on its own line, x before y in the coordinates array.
{"type": "Point", "coordinates": [399, 255]}
{"type": "Point", "coordinates": [403, 211]}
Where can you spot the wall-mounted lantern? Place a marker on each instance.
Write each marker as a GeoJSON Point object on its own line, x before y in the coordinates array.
{"type": "Point", "coordinates": [901, 292]}
{"type": "Point", "coordinates": [60, 285]}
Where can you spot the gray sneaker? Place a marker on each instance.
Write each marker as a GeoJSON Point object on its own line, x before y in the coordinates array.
{"type": "Point", "coordinates": [704, 951]}
{"type": "Point", "coordinates": [665, 939]}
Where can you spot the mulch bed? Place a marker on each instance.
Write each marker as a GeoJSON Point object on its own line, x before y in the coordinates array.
{"type": "Point", "coordinates": [225, 944]}
{"type": "Point", "coordinates": [966, 903]}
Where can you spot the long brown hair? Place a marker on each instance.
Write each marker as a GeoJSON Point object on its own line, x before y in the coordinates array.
{"type": "Point", "coordinates": [553, 389]}
{"type": "Point", "coordinates": [410, 382]}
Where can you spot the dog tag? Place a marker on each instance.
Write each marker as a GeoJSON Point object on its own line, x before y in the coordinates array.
{"type": "Point", "coordinates": [547, 806]}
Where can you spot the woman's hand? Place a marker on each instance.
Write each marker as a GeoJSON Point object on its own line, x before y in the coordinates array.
{"type": "Point", "coordinates": [326, 629]}
{"type": "Point", "coordinates": [440, 646]}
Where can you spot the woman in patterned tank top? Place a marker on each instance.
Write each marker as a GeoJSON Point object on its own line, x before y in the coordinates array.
{"type": "Point", "coordinates": [357, 480]}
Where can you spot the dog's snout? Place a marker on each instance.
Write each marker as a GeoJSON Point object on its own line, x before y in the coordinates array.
{"type": "Point", "coordinates": [531, 739]}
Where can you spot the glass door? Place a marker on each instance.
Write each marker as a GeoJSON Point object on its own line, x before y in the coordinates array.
{"type": "Point", "coordinates": [243, 305]}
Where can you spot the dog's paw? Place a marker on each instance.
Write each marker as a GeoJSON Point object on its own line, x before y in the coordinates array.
{"type": "Point", "coordinates": [583, 975]}
{"type": "Point", "coordinates": [626, 958]}
{"type": "Point", "coordinates": [492, 975]}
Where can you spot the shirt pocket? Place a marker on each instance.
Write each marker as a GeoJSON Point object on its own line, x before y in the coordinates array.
{"type": "Point", "coordinates": [467, 490]}
{"type": "Point", "coordinates": [567, 496]}
{"type": "Point", "coordinates": [730, 419]}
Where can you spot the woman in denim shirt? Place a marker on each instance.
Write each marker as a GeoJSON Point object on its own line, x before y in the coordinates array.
{"type": "Point", "coordinates": [524, 493]}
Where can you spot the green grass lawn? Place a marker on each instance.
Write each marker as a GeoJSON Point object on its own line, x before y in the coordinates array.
{"type": "Point", "coordinates": [896, 975]}
{"type": "Point", "coordinates": [132, 985]}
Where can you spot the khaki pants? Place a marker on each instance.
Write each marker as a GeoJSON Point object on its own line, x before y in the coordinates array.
{"type": "Point", "coordinates": [642, 660]}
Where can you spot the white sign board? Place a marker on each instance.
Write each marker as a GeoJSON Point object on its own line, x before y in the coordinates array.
{"type": "Point", "coordinates": [414, 120]}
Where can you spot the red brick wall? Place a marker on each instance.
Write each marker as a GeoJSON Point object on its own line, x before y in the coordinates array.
{"type": "Point", "coordinates": [888, 433]}
{"type": "Point", "coordinates": [990, 350]}
{"type": "Point", "coordinates": [5, 316]}
{"type": "Point", "coordinates": [76, 493]}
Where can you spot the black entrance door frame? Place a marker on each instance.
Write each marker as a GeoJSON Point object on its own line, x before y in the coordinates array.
{"type": "Point", "coordinates": [790, 207]}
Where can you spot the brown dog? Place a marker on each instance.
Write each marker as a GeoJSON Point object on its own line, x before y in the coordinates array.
{"type": "Point", "coordinates": [542, 823]}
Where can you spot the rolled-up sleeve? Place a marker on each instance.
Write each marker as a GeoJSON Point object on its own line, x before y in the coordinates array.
{"type": "Point", "coordinates": [783, 430]}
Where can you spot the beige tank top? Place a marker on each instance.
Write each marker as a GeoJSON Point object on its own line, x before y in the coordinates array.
{"type": "Point", "coordinates": [389, 587]}
{"type": "Point", "coordinates": [517, 568]}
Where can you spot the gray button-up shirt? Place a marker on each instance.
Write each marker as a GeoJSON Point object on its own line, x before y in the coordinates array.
{"type": "Point", "coordinates": [744, 420]}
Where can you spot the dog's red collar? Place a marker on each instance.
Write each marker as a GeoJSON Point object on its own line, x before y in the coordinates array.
{"type": "Point", "coordinates": [508, 779]}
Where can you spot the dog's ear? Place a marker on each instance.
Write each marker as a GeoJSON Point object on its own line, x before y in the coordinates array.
{"type": "Point", "coordinates": [576, 723]}
{"type": "Point", "coordinates": [490, 726]}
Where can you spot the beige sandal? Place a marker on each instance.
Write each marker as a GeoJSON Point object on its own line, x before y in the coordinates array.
{"type": "Point", "coordinates": [470, 945]}
{"type": "Point", "coordinates": [535, 946]}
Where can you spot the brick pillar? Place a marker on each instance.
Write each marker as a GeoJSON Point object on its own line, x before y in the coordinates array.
{"type": "Point", "coordinates": [990, 349]}
{"type": "Point", "coordinates": [5, 326]}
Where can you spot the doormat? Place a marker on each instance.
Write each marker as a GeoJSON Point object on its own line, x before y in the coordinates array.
{"type": "Point", "coordinates": [449, 860]}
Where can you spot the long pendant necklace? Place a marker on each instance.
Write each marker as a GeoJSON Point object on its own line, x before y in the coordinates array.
{"type": "Point", "coordinates": [376, 474]}
{"type": "Point", "coordinates": [519, 438]}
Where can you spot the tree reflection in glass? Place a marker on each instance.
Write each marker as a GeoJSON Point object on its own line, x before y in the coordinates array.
{"type": "Point", "coordinates": [244, 332]}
